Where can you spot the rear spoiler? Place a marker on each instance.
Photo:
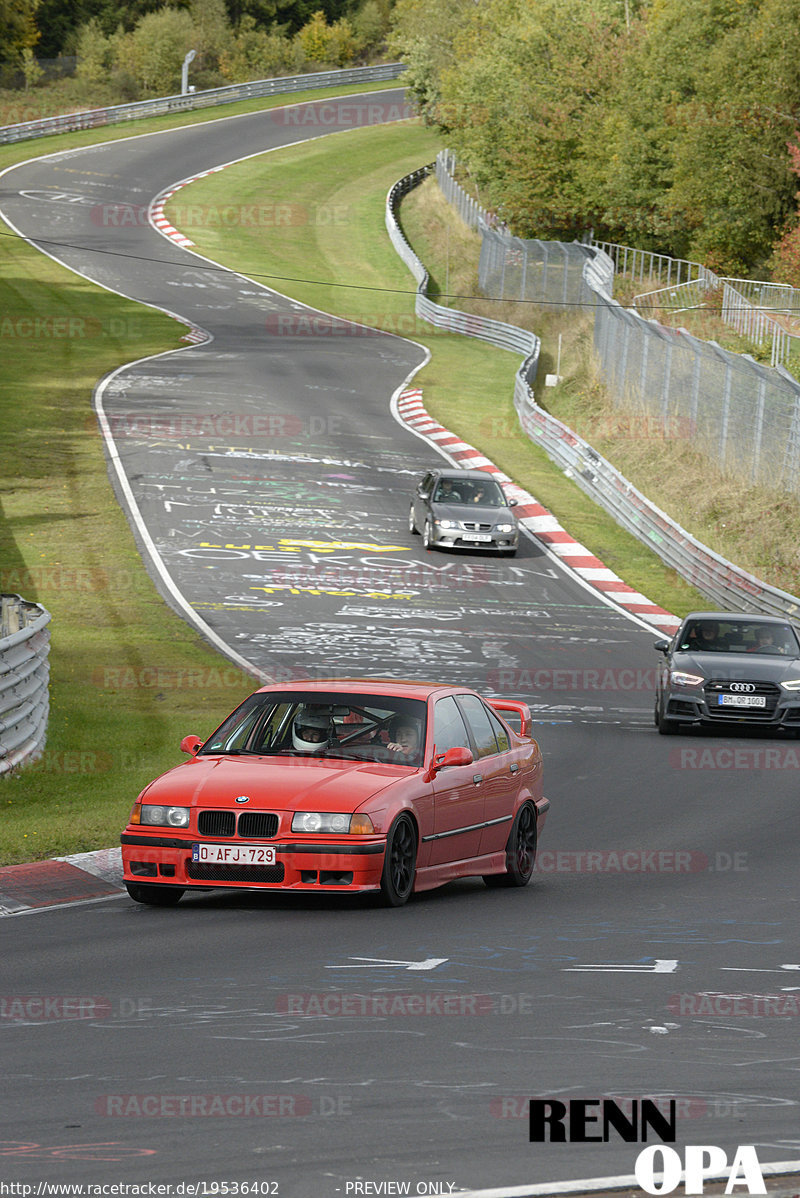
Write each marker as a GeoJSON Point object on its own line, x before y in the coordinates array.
{"type": "Point", "coordinates": [521, 710]}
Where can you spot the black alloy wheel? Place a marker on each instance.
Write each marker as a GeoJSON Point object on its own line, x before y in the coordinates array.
{"type": "Point", "coordinates": [520, 851]}
{"type": "Point", "coordinates": [400, 863]}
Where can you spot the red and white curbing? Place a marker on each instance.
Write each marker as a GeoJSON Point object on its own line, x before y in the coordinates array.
{"type": "Point", "coordinates": [534, 517]}
{"type": "Point", "coordinates": [157, 209]}
{"type": "Point", "coordinates": [61, 882]}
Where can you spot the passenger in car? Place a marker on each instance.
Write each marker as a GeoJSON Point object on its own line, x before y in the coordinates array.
{"type": "Point", "coordinates": [403, 738]}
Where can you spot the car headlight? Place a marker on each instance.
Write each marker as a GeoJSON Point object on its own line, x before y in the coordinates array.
{"type": "Point", "coordinates": [791, 684]}
{"type": "Point", "coordinates": [164, 817]}
{"type": "Point", "coordinates": [332, 821]}
{"type": "Point", "coordinates": [504, 527]}
{"type": "Point", "coordinates": [680, 678]}
{"type": "Point", "coordinates": [446, 523]}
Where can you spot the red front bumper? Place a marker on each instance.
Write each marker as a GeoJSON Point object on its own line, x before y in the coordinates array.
{"type": "Point", "coordinates": [301, 863]}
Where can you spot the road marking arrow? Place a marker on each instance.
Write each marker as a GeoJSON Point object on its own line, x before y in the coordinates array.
{"type": "Point", "coordinates": [656, 967]}
{"type": "Point", "coordinates": [380, 962]}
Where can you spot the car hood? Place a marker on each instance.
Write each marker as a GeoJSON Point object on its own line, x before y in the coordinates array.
{"type": "Point", "coordinates": [290, 784]}
{"type": "Point", "coordinates": [747, 667]}
{"type": "Point", "coordinates": [473, 512]}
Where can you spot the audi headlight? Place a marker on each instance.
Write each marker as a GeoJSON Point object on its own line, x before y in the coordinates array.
{"type": "Point", "coordinates": [165, 817]}
{"type": "Point", "coordinates": [331, 821]}
{"type": "Point", "coordinates": [505, 527]}
{"type": "Point", "coordinates": [791, 684]}
{"type": "Point", "coordinates": [446, 523]}
{"type": "Point", "coordinates": [680, 678]}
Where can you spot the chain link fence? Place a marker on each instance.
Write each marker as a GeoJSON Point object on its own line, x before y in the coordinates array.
{"type": "Point", "coordinates": [675, 370]}
{"type": "Point", "coordinates": [745, 416]}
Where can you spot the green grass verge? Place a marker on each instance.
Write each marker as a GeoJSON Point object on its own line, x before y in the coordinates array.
{"type": "Point", "coordinates": [337, 188]}
{"type": "Point", "coordinates": [128, 677]}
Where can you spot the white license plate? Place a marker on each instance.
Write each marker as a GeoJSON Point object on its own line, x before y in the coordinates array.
{"type": "Point", "coordinates": [742, 701]}
{"type": "Point", "coordinates": [475, 536]}
{"type": "Point", "coordinates": [234, 854]}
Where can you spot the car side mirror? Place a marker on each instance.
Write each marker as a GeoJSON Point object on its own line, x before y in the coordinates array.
{"type": "Point", "coordinates": [423, 494]}
{"type": "Point", "coordinates": [190, 744]}
{"type": "Point", "coordinates": [513, 502]}
{"type": "Point", "coordinates": [458, 755]}
{"type": "Point", "coordinates": [661, 646]}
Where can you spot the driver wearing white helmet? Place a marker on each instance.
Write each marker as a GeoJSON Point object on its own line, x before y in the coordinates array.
{"type": "Point", "coordinates": [311, 730]}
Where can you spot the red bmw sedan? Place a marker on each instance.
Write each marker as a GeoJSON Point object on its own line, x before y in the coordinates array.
{"type": "Point", "coordinates": [344, 786]}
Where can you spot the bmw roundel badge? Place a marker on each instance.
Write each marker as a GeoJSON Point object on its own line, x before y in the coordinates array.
{"type": "Point", "coordinates": [243, 798]}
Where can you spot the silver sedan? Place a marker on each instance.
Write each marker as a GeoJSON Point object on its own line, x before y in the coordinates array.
{"type": "Point", "coordinates": [463, 509]}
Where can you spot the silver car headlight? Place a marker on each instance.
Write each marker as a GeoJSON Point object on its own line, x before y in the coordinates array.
{"type": "Point", "coordinates": [337, 822]}
{"type": "Point", "coordinates": [446, 523]}
{"type": "Point", "coordinates": [165, 817]}
{"type": "Point", "coordinates": [504, 527]}
{"type": "Point", "coordinates": [791, 684]}
{"type": "Point", "coordinates": [681, 678]}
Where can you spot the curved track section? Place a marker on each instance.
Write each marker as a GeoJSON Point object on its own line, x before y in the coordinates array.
{"type": "Point", "coordinates": [312, 1049]}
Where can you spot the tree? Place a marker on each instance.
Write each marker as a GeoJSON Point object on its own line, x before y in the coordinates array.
{"type": "Point", "coordinates": [155, 51]}
{"type": "Point", "coordinates": [18, 30]}
{"type": "Point", "coordinates": [30, 68]}
{"type": "Point", "coordinates": [422, 35]}
{"type": "Point", "coordinates": [94, 53]}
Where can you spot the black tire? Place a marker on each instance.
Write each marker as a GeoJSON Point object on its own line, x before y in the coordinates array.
{"type": "Point", "coordinates": [154, 895]}
{"type": "Point", "coordinates": [520, 851]}
{"type": "Point", "coordinates": [412, 524]}
{"type": "Point", "coordinates": [399, 863]}
{"type": "Point", "coordinates": [666, 727]}
{"type": "Point", "coordinates": [427, 535]}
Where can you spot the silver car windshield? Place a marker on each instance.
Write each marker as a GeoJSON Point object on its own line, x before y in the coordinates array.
{"type": "Point", "coordinates": [470, 492]}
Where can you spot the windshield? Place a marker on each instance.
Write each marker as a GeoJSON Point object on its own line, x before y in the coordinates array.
{"type": "Point", "coordinates": [739, 636]}
{"type": "Point", "coordinates": [357, 727]}
{"type": "Point", "coordinates": [470, 492]}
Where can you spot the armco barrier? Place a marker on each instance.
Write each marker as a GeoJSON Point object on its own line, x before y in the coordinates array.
{"type": "Point", "coordinates": [24, 674]}
{"type": "Point", "coordinates": [726, 585]}
{"type": "Point", "coordinates": [496, 332]}
{"type": "Point", "coordinates": [94, 118]}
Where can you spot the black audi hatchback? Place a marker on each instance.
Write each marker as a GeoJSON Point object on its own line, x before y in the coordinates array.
{"type": "Point", "coordinates": [728, 668]}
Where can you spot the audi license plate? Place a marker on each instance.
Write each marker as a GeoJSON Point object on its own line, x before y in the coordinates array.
{"type": "Point", "coordinates": [476, 536]}
{"type": "Point", "coordinates": [234, 854]}
{"type": "Point", "coordinates": [742, 701]}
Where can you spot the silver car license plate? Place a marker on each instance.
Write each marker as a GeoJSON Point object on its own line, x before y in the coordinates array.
{"type": "Point", "coordinates": [742, 701]}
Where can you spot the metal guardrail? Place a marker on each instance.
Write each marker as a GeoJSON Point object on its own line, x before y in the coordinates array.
{"type": "Point", "coordinates": [24, 675]}
{"type": "Point", "coordinates": [496, 332]}
{"type": "Point", "coordinates": [724, 583]}
{"type": "Point", "coordinates": [94, 118]}
{"type": "Point", "coordinates": [706, 570]}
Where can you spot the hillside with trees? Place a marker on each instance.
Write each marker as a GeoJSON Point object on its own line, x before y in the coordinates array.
{"type": "Point", "coordinates": [671, 125]}
{"type": "Point", "coordinates": [109, 53]}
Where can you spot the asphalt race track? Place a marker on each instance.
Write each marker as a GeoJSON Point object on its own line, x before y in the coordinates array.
{"type": "Point", "coordinates": [321, 1046]}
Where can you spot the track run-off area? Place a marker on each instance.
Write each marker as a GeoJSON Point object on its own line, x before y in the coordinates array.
{"type": "Point", "coordinates": [306, 1046]}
